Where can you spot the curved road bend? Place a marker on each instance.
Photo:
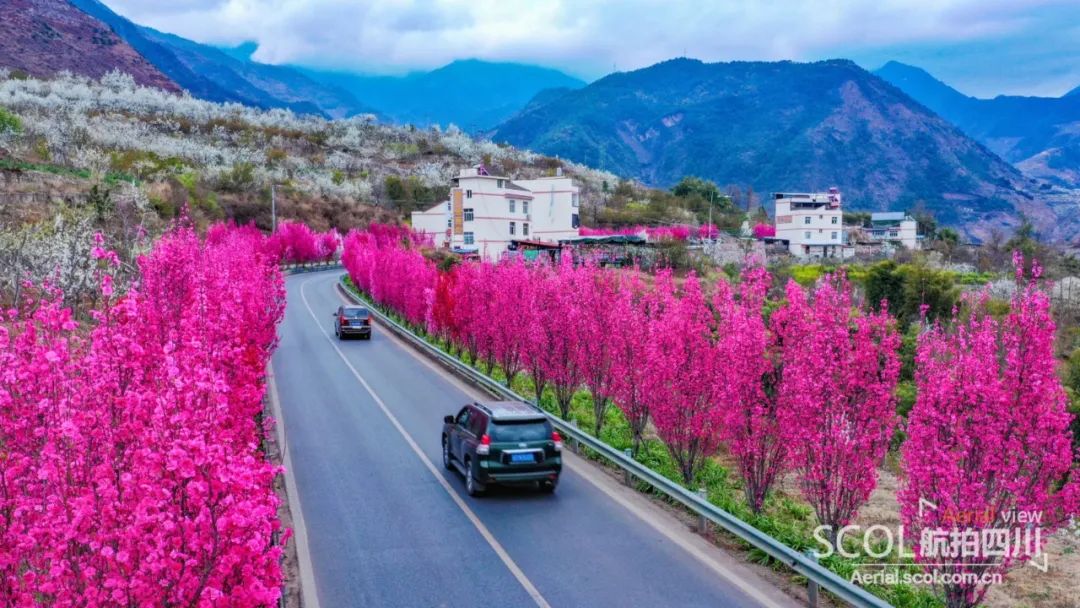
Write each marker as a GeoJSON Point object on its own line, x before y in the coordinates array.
{"type": "Point", "coordinates": [388, 526]}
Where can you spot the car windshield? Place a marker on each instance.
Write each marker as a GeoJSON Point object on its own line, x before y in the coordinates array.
{"type": "Point", "coordinates": [356, 313]}
{"type": "Point", "coordinates": [526, 430]}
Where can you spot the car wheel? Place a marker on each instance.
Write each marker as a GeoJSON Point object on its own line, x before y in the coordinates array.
{"type": "Point", "coordinates": [472, 487]}
{"type": "Point", "coordinates": [548, 487]}
{"type": "Point", "coordinates": [446, 453]}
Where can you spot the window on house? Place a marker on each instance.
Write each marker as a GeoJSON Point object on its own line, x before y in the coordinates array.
{"type": "Point", "coordinates": [806, 220]}
{"type": "Point", "coordinates": [834, 236]}
{"type": "Point", "coordinates": [525, 207]}
{"type": "Point", "coordinates": [449, 222]}
{"type": "Point", "coordinates": [499, 183]}
{"type": "Point", "coordinates": [525, 230]}
{"type": "Point", "coordinates": [468, 213]}
{"type": "Point", "coordinates": [512, 228]}
{"type": "Point", "coordinates": [469, 238]}
{"type": "Point", "coordinates": [834, 219]}
{"type": "Point", "coordinates": [574, 200]}
{"type": "Point", "coordinates": [513, 206]}
{"type": "Point", "coordinates": [575, 221]}
{"type": "Point", "coordinates": [806, 234]}
{"type": "Point", "coordinates": [468, 194]}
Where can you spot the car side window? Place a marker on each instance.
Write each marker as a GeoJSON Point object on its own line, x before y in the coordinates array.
{"type": "Point", "coordinates": [478, 424]}
{"type": "Point", "coordinates": [463, 418]}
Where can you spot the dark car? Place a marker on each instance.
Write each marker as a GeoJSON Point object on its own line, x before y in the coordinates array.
{"type": "Point", "coordinates": [352, 321]}
{"type": "Point", "coordinates": [502, 442]}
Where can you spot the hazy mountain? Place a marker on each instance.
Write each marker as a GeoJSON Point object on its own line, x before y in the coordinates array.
{"type": "Point", "coordinates": [218, 75]}
{"type": "Point", "coordinates": [1041, 135]}
{"type": "Point", "coordinates": [43, 37]}
{"type": "Point", "coordinates": [472, 94]}
{"type": "Point", "coordinates": [779, 127]}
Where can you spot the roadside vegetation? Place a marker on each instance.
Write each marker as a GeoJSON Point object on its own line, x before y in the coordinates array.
{"type": "Point", "coordinates": [132, 434]}
{"type": "Point", "coordinates": [639, 367]}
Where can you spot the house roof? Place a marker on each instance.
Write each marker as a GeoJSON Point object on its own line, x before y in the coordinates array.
{"type": "Point", "coordinates": [887, 216]}
{"type": "Point", "coordinates": [615, 239]}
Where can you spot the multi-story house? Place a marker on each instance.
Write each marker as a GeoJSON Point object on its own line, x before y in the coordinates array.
{"type": "Point", "coordinates": [894, 227]}
{"type": "Point", "coordinates": [811, 224]}
{"type": "Point", "coordinates": [486, 213]}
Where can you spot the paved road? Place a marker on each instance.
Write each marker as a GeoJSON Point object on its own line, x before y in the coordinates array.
{"type": "Point", "coordinates": [387, 526]}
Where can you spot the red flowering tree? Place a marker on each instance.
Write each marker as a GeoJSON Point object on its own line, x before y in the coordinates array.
{"type": "Point", "coordinates": [683, 401]}
{"type": "Point", "coordinates": [988, 438]}
{"type": "Point", "coordinates": [750, 384]}
{"type": "Point", "coordinates": [837, 411]}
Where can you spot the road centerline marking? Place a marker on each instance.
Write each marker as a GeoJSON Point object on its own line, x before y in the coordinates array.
{"type": "Point", "coordinates": [495, 545]}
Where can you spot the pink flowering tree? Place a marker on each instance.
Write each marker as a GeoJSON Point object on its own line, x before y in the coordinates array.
{"type": "Point", "coordinates": [511, 305]}
{"type": "Point", "coordinates": [838, 411]}
{"type": "Point", "coordinates": [594, 291]}
{"type": "Point", "coordinates": [630, 332]}
{"type": "Point", "coordinates": [750, 384]}
{"type": "Point", "coordinates": [558, 361]}
{"type": "Point", "coordinates": [683, 401]}
{"type": "Point", "coordinates": [762, 231]}
{"type": "Point", "coordinates": [988, 438]}
{"type": "Point", "coordinates": [132, 472]}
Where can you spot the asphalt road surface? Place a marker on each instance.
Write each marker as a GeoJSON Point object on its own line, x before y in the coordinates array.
{"type": "Point", "coordinates": [388, 526]}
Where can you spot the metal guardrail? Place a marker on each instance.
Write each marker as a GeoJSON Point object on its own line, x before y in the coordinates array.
{"type": "Point", "coordinates": [316, 267]}
{"type": "Point", "coordinates": [804, 564]}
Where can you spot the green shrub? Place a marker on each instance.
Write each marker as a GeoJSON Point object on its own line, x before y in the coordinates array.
{"type": "Point", "coordinates": [9, 123]}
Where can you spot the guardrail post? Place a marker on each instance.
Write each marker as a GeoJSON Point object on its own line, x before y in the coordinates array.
{"type": "Point", "coordinates": [574, 442]}
{"type": "Point", "coordinates": [811, 586]}
{"type": "Point", "coordinates": [627, 477]}
{"type": "Point", "coordinates": [703, 523]}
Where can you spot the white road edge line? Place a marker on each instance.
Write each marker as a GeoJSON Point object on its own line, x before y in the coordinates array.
{"type": "Point", "coordinates": [586, 470]}
{"type": "Point", "coordinates": [508, 561]}
{"type": "Point", "coordinates": [309, 594]}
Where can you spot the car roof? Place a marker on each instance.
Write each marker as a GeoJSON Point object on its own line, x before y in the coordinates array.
{"type": "Point", "coordinates": [510, 410]}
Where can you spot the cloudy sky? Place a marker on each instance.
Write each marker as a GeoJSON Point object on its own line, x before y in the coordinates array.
{"type": "Point", "coordinates": [982, 47]}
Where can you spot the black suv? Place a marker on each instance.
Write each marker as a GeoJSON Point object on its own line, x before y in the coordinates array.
{"type": "Point", "coordinates": [352, 321]}
{"type": "Point", "coordinates": [502, 442]}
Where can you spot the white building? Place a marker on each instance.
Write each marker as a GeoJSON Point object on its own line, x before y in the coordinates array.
{"type": "Point", "coordinates": [812, 224]}
{"type": "Point", "coordinates": [894, 227]}
{"type": "Point", "coordinates": [486, 213]}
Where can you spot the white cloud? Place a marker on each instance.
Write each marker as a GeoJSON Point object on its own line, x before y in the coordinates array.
{"type": "Point", "coordinates": [588, 37]}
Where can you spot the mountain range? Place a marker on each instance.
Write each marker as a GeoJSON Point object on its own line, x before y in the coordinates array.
{"type": "Point", "coordinates": [891, 139]}
{"type": "Point", "coordinates": [777, 126]}
{"type": "Point", "coordinates": [1040, 135]}
{"type": "Point", "coordinates": [474, 95]}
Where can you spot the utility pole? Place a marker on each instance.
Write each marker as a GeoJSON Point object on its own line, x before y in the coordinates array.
{"type": "Point", "coordinates": [273, 209]}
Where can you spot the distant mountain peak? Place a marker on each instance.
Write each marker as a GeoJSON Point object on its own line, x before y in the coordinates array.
{"type": "Point", "coordinates": [474, 94]}
{"type": "Point", "coordinates": [44, 37]}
